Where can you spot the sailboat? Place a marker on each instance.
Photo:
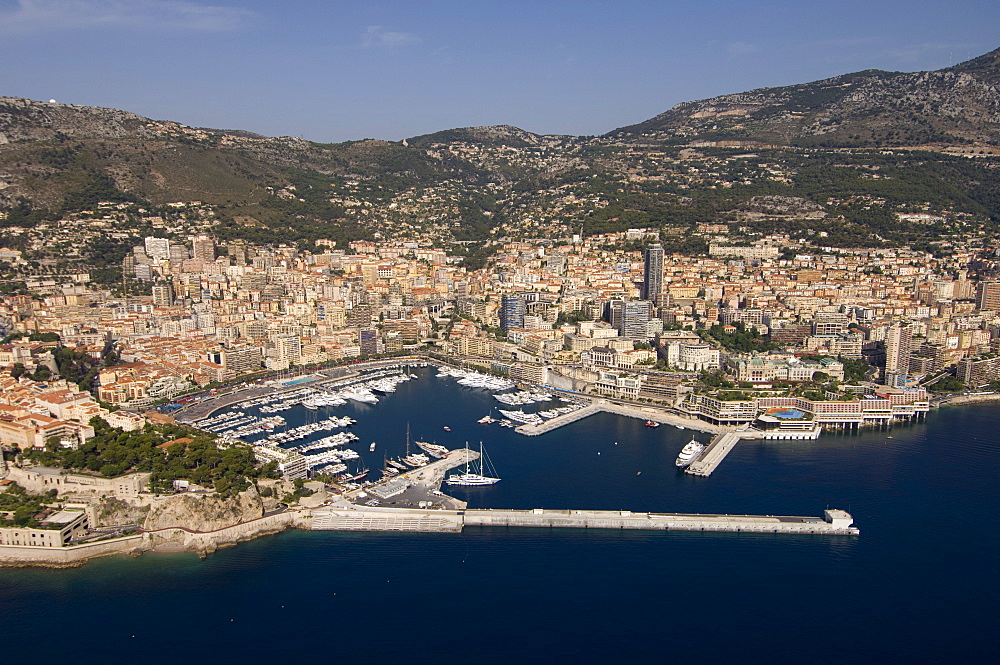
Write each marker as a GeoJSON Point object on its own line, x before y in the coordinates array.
{"type": "Point", "coordinates": [358, 475]}
{"type": "Point", "coordinates": [417, 459]}
{"type": "Point", "coordinates": [387, 470]}
{"type": "Point", "coordinates": [471, 477]}
{"type": "Point", "coordinates": [433, 449]}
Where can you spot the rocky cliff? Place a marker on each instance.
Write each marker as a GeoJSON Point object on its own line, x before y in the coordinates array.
{"type": "Point", "coordinates": [203, 512]}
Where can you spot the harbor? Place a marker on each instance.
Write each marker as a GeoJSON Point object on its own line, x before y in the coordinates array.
{"type": "Point", "coordinates": [401, 484]}
{"type": "Point", "coordinates": [408, 496]}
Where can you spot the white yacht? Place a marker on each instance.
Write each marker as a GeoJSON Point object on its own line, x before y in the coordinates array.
{"type": "Point", "coordinates": [689, 453]}
{"type": "Point", "coordinates": [471, 476]}
{"type": "Point", "coordinates": [433, 449]}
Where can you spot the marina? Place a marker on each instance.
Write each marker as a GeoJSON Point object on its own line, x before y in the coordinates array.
{"type": "Point", "coordinates": [253, 419]}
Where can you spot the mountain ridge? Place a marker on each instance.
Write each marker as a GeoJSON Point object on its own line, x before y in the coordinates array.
{"type": "Point", "coordinates": [710, 160]}
{"type": "Point", "coordinates": [871, 108]}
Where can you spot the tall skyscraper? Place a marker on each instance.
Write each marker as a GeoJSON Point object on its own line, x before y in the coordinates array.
{"type": "Point", "coordinates": [652, 278]}
{"type": "Point", "coordinates": [634, 317]}
{"type": "Point", "coordinates": [988, 296]}
{"type": "Point", "coordinates": [897, 353]}
{"type": "Point", "coordinates": [512, 311]}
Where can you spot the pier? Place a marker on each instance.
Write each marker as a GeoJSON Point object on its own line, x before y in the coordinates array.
{"type": "Point", "coordinates": [597, 406]}
{"type": "Point", "coordinates": [365, 518]}
{"type": "Point", "coordinates": [716, 451]}
{"type": "Point", "coordinates": [348, 517]}
{"type": "Point", "coordinates": [558, 421]}
{"type": "Point", "coordinates": [419, 488]}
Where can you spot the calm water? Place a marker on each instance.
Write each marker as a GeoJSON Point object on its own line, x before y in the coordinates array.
{"type": "Point", "coordinates": [918, 586]}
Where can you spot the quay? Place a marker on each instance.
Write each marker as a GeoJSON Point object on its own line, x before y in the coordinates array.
{"type": "Point", "coordinates": [349, 517]}
{"type": "Point", "coordinates": [419, 488]}
{"type": "Point", "coordinates": [599, 405]}
{"type": "Point", "coordinates": [716, 451]}
{"type": "Point", "coordinates": [558, 421]}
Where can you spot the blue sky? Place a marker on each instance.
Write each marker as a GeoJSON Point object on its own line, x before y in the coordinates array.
{"type": "Point", "coordinates": [335, 70]}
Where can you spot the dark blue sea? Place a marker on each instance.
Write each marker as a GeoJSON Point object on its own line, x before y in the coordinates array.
{"type": "Point", "coordinates": [920, 585]}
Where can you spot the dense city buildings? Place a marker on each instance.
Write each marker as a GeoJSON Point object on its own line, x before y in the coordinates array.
{"type": "Point", "coordinates": [591, 313]}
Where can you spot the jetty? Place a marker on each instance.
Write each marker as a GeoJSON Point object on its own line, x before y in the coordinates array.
{"type": "Point", "coordinates": [418, 488]}
{"type": "Point", "coordinates": [533, 429]}
{"type": "Point", "coordinates": [600, 405]}
{"type": "Point", "coordinates": [716, 451]}
{"type": "Point", "coordinates": [349, 517]}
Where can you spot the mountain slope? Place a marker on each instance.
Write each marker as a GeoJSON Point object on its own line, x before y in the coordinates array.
{"type": "Point", "coordinates": [957, 105]}
{"type": "Point", "coordinates": [468, 186]}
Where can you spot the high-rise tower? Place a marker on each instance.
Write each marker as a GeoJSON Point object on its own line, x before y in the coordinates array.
{"type": "Point", "coordinates": [652, 278]}
{"type": "Point", "coordinates": [988, 296]}
{"type": "Point", "coordinates": [512, 311]}
{"type": "Point", "coordinates": [897, 353]}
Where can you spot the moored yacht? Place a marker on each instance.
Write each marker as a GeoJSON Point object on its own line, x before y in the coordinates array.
{"type": "Point", "coordinates": [689, 453]}
{"type": "Point", "coordinates": [473, 476]}
{"type": "Point", "coordinates": [432, 449]}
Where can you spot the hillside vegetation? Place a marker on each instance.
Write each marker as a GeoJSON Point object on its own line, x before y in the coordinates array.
{"type": "Point", "coordinates": [850, 151]}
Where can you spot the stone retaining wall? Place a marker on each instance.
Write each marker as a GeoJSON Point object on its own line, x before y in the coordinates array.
{"type": "Point", "coordinates": [69, 556]}
{"type": "Point", "coordinates": [175, 538]}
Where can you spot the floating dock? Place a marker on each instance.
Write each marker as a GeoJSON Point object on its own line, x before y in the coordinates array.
{"type": "Point", "coordinates": [716, 451]}
{"type": "Point", "coordinates": [347, 517]}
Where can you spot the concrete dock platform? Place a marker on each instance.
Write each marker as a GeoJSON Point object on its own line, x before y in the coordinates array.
{"type": "Point", "coordinates": [348, 517]}
{"type": "Point", "coordinates": [418, 488]}
{"type": "Point", "coordinates": [600, 405]}
{"type": "Point", "coordinates": [716, 451]}
{"type": "Point", "coordinates": [834, 522]}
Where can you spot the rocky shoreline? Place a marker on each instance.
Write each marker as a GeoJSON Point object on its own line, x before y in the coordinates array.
{"type": "Point", "coordinates": [969, 399]}
{"type": "Point", "coordinates": [166, 539]}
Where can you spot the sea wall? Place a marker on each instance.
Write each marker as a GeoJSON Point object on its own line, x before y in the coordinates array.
{"type": "Point", "coordinates": [58, 557]}
{"type": "Point", "coordinates": [203, 542]}
{"type": "Point", "coordinates": [166, 539]}
{"type": "Point", "coordinates": [970, 399]}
